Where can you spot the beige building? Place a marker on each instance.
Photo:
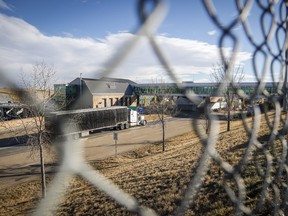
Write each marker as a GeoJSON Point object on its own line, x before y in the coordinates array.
{"type": "Point", "coordinates": [104, 92]}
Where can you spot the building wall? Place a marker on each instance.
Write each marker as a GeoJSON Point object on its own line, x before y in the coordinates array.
{"type": "Point", "coordinates": [90, 99]}
{"type": "Point", "coordinates": [100, 101]}
{"type": "Point", "coordinates": [86, 98]}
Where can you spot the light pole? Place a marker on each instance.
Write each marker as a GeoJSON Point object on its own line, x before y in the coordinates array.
{"type": "Point", "coordinates": [80, 95]}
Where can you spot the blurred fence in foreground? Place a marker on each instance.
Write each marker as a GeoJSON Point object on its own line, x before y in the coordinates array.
{"type": "Point", "coordinates": [275, 64]}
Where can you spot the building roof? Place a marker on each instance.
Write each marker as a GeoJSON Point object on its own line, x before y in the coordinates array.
{"type": "Point", "coordinates": [106, 85]}
{"type": "Point", "coordinates": [109, 79]}
{"type": "Point", "coordinates": [206, 84]}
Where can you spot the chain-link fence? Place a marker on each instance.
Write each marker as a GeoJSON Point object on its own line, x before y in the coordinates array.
{"type": "Point", "coordinates": [273, 172]}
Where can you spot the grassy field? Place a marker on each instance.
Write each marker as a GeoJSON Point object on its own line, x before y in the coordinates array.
{"type": "Point", "coordinates": [159, 179]}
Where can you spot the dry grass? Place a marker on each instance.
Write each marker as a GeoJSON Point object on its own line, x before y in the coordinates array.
{"type": "Point", "coordinates": [157, 179]}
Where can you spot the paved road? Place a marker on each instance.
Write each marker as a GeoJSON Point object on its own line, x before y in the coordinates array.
{"type": "Point", "coordinates": [16, 167]}
{"type": "Point", "coordinates": [12, 150]}
{"type": "Point", "coordinates": [99, 147]}
{"type": "Point", "coordinates": [102, 145]}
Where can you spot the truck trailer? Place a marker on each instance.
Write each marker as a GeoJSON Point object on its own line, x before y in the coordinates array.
{"type": "Point", "coordinates": [83, 121]}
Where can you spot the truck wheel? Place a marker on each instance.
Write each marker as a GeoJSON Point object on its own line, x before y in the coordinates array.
{"type": "Point", "coordinates": [144, 122]}
{"type": "Point", "coordinates": [126, 126]}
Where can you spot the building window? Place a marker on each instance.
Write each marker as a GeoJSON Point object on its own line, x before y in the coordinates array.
{"type": "Point", "coordinates": [111, 101]}
{"type": "Point", "coordinates": [104, 101]}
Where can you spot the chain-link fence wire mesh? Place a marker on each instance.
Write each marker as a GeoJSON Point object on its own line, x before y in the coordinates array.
{"type": "Point", "coordinates": [71, 152]}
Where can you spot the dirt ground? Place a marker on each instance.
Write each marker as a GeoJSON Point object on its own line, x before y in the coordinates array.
{"type": "Point", "coordinates": [156, 179]}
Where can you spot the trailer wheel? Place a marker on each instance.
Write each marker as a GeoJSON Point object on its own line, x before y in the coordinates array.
{"type": "Point", "coordinates": [121, 126]}
{"type": "Point", "coordinates": [126, 125]}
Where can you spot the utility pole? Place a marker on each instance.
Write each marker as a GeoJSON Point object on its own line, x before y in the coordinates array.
{"type": "Point", "coordinates": [80, 95]}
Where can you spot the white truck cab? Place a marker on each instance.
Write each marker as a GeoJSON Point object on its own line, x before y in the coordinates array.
{"type": "Point", "coordinates": [135, 118]}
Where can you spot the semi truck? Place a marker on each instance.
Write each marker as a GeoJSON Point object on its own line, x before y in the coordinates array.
{"type": "Point", "coordinates": [82, 121]}
{"type": "Point", "coordinates": [218, 105]}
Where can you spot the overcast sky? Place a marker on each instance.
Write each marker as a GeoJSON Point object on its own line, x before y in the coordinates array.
{"type": "Point", "coordinates": [80, 36]}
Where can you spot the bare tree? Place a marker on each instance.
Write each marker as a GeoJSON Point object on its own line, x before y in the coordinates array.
{"type": "Point", "coordinates": [163, 105]}
{"type": "Point", "coordinates": [231, 77]}
{"type": "Point", "coordinates": [37, 98]}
